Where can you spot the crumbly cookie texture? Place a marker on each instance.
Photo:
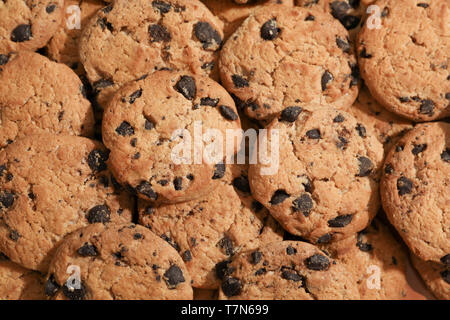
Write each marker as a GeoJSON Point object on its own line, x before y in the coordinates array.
{"type": "Point", "coordinates": [435, 275]}
{"type": "Point", "coordinates": [326, 185]}
{"type": "Point", "coordinates": [131, 38]}
{"type": "Point", "coordinates": [387, 126]}
{"type": "Point", "coordinates": [287, 270]}
{"type": "Point", "coordinates": [118, 262]}
{"type": "Point", "coordinates": [405, 62]}
{"type": "Point", "coordinates": [414, 190]}
{"type": "Point", "coordinates": [28, 25]}
{"type": "Point", "coordinates": [50, 186]}
{"type": "Point", "coordinates": [63, 46]}
{"type": "Point", "coordinates": [18, 283]}
{"type": "Point", "coordinates": [209, 231]}
{"type": "Point", "coordinates": [145, 126]}
{"type": "Point", "coordinates": [281, 57]}
{"type": "Point", "coordinates": [232, 15]}
{"type": "Point", "coordinates": [38, 95]}
{"type": "Point", "coordinates": [376, 260]}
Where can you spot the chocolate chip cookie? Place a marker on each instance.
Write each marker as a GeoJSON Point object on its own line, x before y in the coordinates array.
{"type": "Point", "coordinates": [209, 231]}
{"type": "Point", "coordinates": [325, 186]}
{"type": "Point", "coordinates": [287, 270]}
{"type": "Point", "coordinates": [435, 275]}
{"type": "Point", "coordinates": [50, 186]}
{"type": "Point", "coordinates": [281, 57]}
{"type": "Point", "coordinates": [414, 190]}
{"type": "Point", "coordinates": [28, 25]}
{"type": "Point", "coordinates": [117, 262]}
{"type": "Point", "coordinates": [38, 95]}
{"type": "Point", "coordinates": [405, 62]}
{"type": "Point", "coordinates": [129, 39]}
{"type": "Point", "coordinates": [154, 128]}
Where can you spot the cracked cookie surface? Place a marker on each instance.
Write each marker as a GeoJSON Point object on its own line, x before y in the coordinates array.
{"type": "Point", "coordinates": [414, 190]}
{"type": "Point", "coordinates": [144, 126]}
{"type": "Point", "coordinates": [118, 262]}
{"type": "Point", "coordinates": [281, 57]}
{"type": "Point", "coordinates": [50, 186]}
{"type": "Point", "coordinates": [326, 185]}
{"type": "Point", "coordinates": [405, 63]}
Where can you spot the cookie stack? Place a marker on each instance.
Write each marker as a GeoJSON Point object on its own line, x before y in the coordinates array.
{"type": "Point", "coordinates": [125, 171]}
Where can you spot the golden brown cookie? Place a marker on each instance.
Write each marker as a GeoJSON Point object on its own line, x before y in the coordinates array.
{"type": "Point", "coordinates": [50, 186]}
{"type": "Point", "coordinates": [131, 38]}
{"type": "Point", "coordinates": [148, 121]}
{"type": "Point", "coordinates": [435, 275]}
{"type": "Point", "coordinates": [28, 25]}
{"type": "Point", "coordinates": [281, 57]}
{"type": "Point", "coordinates": [38, 95]}
{"type": "Point", "coordinates": [117, 262]}
{"type": "Point", "coordinates": [404, 62]}
{"type": "Point", "coordinates": [287, 270]}
{"type": "Point", "coordinates": [325, 187]}
{"type": "Point", "coordinates": [415, 190]}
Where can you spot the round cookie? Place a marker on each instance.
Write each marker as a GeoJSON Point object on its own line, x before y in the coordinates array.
{"type": "Point", "coordinates": [209, 231]}
{"type": "Point", "coordinates": [281, 57]}
{"type": "Point", "coordinates": [287, 270]}
{"type": "Point", "coordinates": [63, 47]}
{"type": "Point", "coordinates": [38, 95]}
{"type": "Point", "coordinates": [414, 190]}
{"type": "Point", "coordinates": [405, 62]}
{"type": "Point", "coordinates": [17, 283]}
{"type": "Point", "coordinates": [232, 15]}
{"type": "Point", "coordinates": [325, 186]}
{"type": "Point", "coordinates": [145, 126]}
{"type": "Point", "coordinates": [435, 276]}
{"type": "Point", "coordinates": [117, 262]}
{"type": "Point", "coordinates": [50, 186]}
{"type": "Point", "coordinates": [28, 25]}
{"type": "Point", "coordinates": [376, 260]}
{"type": "Point", "coordinates": [131, 38]}
{"type": "Point", "coordinates": [387, 126]}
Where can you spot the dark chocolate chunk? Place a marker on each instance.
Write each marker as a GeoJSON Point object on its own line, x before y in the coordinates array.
{"type": "Point", "coordinates": [51, 286]}
{"type": "Point", "coordinates": [317, 262]}
{"type": "Point", "coordinates": [135, 95]}
{"type": "Point", "coordinates": [241, 183]}
{"type": "Point", "coordinates": [303, 204]}
{"type": "Point", "coordinates": [145, 188]}
{"type": "Point", "coordinates": [7, 199]}
{"type": "Point", "coordinates": [326, 238]}
{"type": "Point", "coordinates": [187, 256]}
{"type": "Point", "coordinates": [14, 235]}
{"type": "Point", "coordinates": [88, 250]}
{"type": "Point", "coordinates": [361, 130]}
{"type": "Point", "coordinates": [228, 113]}
{"type": "Point", "coordinates": [327, 77]}
{"type": "Point", "coordinates": [292, 275]}
{"type": "Point", "coordinates": [21, 33]}
{"type": "Point", "coordinates": [226, 244]}
{"type": "Point", "coordinates": [365, 167]}
{"type": "Point", "coordinates": [427, 107]}
{"type": "Point", "coordinates": [418, 148]}
{"type": "Point", "coordinates": [73, 293]}
{"type": "Point", "coordinates": [125, 129]}
{"type": "Point", "coordinates": [231, 287]}
{"type": "Point", "coordinates": [186, 86]}
{"type": "Point", "coordinates": [239, 81]}
{"type": "Point", "coordinates": [159, 33]}
{"type": "Point", "coordinates": [100, 213]}
{"type": "Point", "coordinates": [161, 6]}
{"type": "Point", "coordinates": [173, 276]}
{"type": "Point", "coordinates": [97, 160]}
{"type": "Point", "coordinates": [290, 250]}
{"type": "Point", "coordinates": [178, 183]}
{"type": "Point", "coordinates": [278, 197]}
{"type": "Point", "coordinates": [50, 8]}
{"type": "Point", "coordinates": [340, 221]}
{"type": "Point", "coordinates": [209, 102]}
{"type": "Point", "coordinates": [3, 59]}
{"type": "Point", "coordinates": [404, 186]}
{"type": "Point", "coordinates": [290, 114]}
{"type": "Point", "coordinates": [256, 257]}
{"type": "Point", "coordinates": [219, 171]}
{"type": "Point", "coordinates": [344, 45]}
{"type": "Point", "coordinates": [269, 30]}
{"type": "Point", "coordinates": [313, 134]}
{"type": "Point", "coordinates": [445, 155]}
{"type": "Point", "coordinates": [207, 35]}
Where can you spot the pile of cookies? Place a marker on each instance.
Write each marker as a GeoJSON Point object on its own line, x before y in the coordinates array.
{"type": "Point", "coordinates": [353, 98]}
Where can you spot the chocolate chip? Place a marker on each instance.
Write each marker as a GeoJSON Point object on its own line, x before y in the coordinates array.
{"type": "Point", "coordinates": [427, 107]}
{"type": "Point", "coordinates": [339, 9]}
{"type": "Point", "coordinates": [159, 33]}
{"type": "Point", "coordinates": [404, 186]}
{"type": "Point", "coordinates": [104, 23]}
{"type": "Point", "coordinates": [145, 188]}
{"type": "Point", "coordinates": [445, 155]}
{"type": "Point", "coordinates": [88, 250]}
{"type": "Point", "coordinates": [354, 3]}
{"type": "Point", "coordinates": [107, 9]}
{"type": "Point", "coordinates": [446, 260]}
{"type": "Point", "coordinates": [163, 182]}
{"type": "Point", "coordinates": [7, 199]}
{"type": "Point", "coordinates": [149, 125]}
{"type": "Point", "coordinates": [355, 75]}
{"type": "Point", "coordinates": [21, 33]}
{"type": "Point", "coordinates": [135, 95]}
{"type": "Point", "coordinates": [14, 235]}
{"type": "Point", "coordinates": [313, 134]}
{"type": "Point", "coordinates": [102, 83]}
{"type": "Point", "coordinates": [186, 86]}
{"type": "Point", "coordinates": [219, 171]}
{"type": "Point", "coordinates": [365, 167]}
{"type": "Point", "coordinates": [228, 113]}
{"type": "Point", "coordinates": [260, 272]}
{"type": "Point", "coordinates": [170, 241]}
{"type": "Point", "coordinates": [3, 59]}
{"type": "Point", "coordinates": [187, 256]}
{"type": "Point", "coordinates": [399, 148]}
{"type": "Point", "coordinates": [423, 5]}
{"type": "Point", "coordinates": [137, 236]}
{"type": "Point", "coordinates": [241, 183]}
{"type": "Point", "coordinates": [291, 250]}
{"type": "Point", "coordinates": [326, 78]}
{"type": "Point", "coordinates": [209, 102]}
{"type": "Point", "coordinates": [207, 35]}
{"type": "Point", "coordinates": [239, 82]}
{"type": "Point", "coordinates": [447, 95]}
{"type": "Point", "coordinates": [446, 276]}
{"type": "Point", "coordinates": [99, 214]}
{"type": "Point", "coordinates": [418, 148]}
{"type": "Point", "coordinates": [278, 197]}
{"type": "Point", "coordinates": [9, 177]}
{"type": "Point", "coordinates": [361, 130]}
{"type": "Point", "coordinates": [303, 204]}
{"type": "Point", "coordinates": [51, 286]}
{"type": "Point", "coordinates": [125, 129]}
{"type": "Point", "coordinates": [161, 6]}
{"type": "Point", "coordinates": [292, 275]}
{"type": "Point", "coordinates": [342, 143]}
{"type": "Point", "coordinates": [388, 169]}
{"type": "Point", "coordinates": [340, 221]}
{"type": "Point", "coordinates": [222, 269]}
{"type": "Point", "coordinates": [344, 45]}
{"type": "Point", "coordinates": [317, 262]}
{"type": "Point", "coordinates": [73, 293]}
{"type": "Point", "coordinates": [255, 257]}
{"type": "Point", "coordinates": [178, 183]}
{"type": "Point", "coordinates": [269, 30]}
{"type": "Point", "coordinates": [231, 287]}
{"type": "Point", "coordinates": [350, 22]}
{"type": "Point", "coordinates": [50, 8]}
{"type": "Point", "coordinates": [173, 276]}
{"type": "Point", "coordinates": [310, 17]}
{"type": "Point", "coordinates": [404, 99]}
{"type": "Point", "coordinates": [227, 244]}
{"type": "Point", "coordinates": [363, 246]}
{"type": "Point", "coordinates": [290, 114]}
{"type": "Point", "coordinates": [339, 118]}
{"type": "Point", "coordinates": [326, 238]}
{"type": "Point", "coordinates": [97, 160]}
{"type": "Point", "coordinates": [364, 54]}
